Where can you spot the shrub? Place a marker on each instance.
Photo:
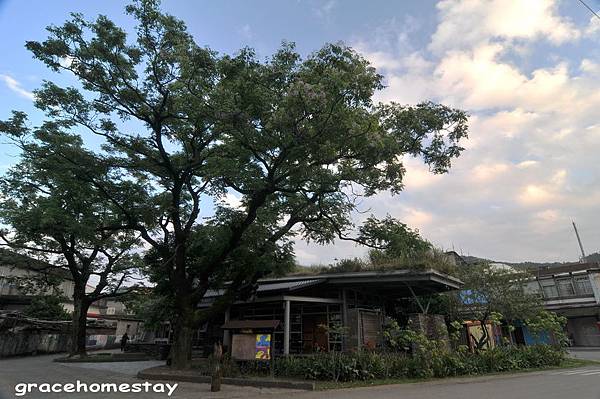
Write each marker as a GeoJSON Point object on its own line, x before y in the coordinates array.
{"type": "Point", "coordinates": [430, 360]}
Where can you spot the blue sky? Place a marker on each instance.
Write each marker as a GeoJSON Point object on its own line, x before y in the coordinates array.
{"type": "Point", "coordinates": [527, 72]}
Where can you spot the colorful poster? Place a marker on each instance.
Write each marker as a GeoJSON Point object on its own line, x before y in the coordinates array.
{"type": "Point", "coordinates": [263, 347]}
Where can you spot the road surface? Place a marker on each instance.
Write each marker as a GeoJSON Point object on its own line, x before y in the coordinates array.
{"type": "Point", "coordinates": [580, 383]}
{"type": "Point", "coordinates": [41, 369]}
{"type": "Point", "coordinates": [585, 353]}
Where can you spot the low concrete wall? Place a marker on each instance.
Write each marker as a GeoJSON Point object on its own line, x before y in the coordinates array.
{"type": "Point", "coordinates": [163, 373]}
{"type": "Point", "coordinates": [27, 343]}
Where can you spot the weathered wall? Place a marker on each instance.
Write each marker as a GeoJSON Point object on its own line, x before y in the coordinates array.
{"type": "Point", "coordinates": [584, 331]}
{"type": "Point", "coordinates": [132, 327]}
{"type": "Point", "coordinates": [25, 343]}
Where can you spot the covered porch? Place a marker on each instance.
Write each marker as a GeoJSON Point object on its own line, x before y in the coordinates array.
{"type": "Point", "coordinates": [329, 312]}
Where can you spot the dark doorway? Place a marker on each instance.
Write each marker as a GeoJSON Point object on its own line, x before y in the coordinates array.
{"type": "Point", "coordinates": [519, 336]}
{"type": "Point", "coordinates": [314, 334]}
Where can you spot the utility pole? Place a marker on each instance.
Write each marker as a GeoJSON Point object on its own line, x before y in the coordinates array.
{"type": "Point", "coordinates": [579, 241]}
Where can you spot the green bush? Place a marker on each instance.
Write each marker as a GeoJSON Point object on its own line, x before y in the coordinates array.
{"type": "Point", "coordinates": [427, 362]}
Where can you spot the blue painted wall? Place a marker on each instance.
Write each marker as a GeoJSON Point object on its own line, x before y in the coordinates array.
{"type": "Point", "coordinates": [534, 339]}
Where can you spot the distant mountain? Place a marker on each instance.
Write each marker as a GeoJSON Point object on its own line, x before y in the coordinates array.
{"type": "Point", "coordinates": [595, 257]}
{"type": "Point", "coordinates": [591, 258]}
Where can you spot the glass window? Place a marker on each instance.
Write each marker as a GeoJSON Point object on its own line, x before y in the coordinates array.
{"type": "Point", "coordinates": [565, 287]}
{"type": "Point", "coordinates": [550, 290]}
{"type": "Point", "coordinates": [583, 286]}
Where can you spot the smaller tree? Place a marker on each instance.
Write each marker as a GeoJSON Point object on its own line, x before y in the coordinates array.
{"type": "Point", "coordinates": [52, 210]}
{"type": "Point", "coordinates": [394, 245]}
{"type": "Point", "coordinates": [389, 239]}
{"type": "Point", "coordinates": [47, 307]}
{"type": "Point", "coordinates": [492, 294]}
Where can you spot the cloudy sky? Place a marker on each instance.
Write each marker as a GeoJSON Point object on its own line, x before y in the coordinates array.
{"type": "Point", "coordinates": [528, 72]}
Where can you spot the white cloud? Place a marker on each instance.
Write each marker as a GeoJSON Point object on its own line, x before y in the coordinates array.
{"type": "Point", "coordinates": [593, 27]}
{"type": "Point", "coordinates": [325, 8]}
{"type": "Point", "coordinates": [232, 200]}
{"type": "Point", "coordinates": [527, 164]}
{"type": "Point", "coordinates": [246, 32]}
{"type": "Point", "coordinates": [16, 87]}
{"type": "Point", "coordinates": [416, 218]}
{"type": "Point", "coordinates": [489, 171]}
{"type": "Point", "coordinates": [466, 23]}
{"type": "Point", "coordinates": [534, 194]}
{"type": "Point", "coordinates": [418, 176]}
{"type": "Point", "coordinates": [530, 163]}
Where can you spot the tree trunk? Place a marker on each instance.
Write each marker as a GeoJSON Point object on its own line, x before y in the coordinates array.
{"type": "Point", "coordinates": [485, 336]}
{"type": "Point", "coordinates": [181, 350]}
{"type": "Point", "coordinates": [79, 325]}
{"type": "Point", "coordinates": [215, 381]}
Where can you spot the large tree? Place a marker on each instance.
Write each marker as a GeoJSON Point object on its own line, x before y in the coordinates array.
{"type": "Point", "coordinates": [52, 212]}
{"type": "Point", "coordinates": [294, 141]}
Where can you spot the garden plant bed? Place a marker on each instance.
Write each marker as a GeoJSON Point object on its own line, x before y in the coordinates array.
{"type": "Point", "coordinates": [106, 358]}
{"type": "Point", "coordinates": [567, 364]}
{"type": "Point", "coordinates": [191, 375]}
{"type": "Point", "coordinates": [312, 373]}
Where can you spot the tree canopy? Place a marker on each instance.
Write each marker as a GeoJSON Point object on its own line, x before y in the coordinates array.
{"type": "Point", "coordinates": [53, 212]}
{"type": "Point", "coordinates": [295, 140]}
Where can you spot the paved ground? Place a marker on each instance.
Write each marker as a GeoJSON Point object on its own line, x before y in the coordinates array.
{"type": "Point", "coordinates": [40, 369]}
{"type": "Point", "coordinates": [586, 353]}
{"type": "Point", "coordinates": [581, 383]}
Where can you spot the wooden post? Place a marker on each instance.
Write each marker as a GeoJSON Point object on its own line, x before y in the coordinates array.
{"type": "Point", "coordinates": [344, 319]}
{"type": "Point", "coordinates": [272, 359]}
{"type": "Point", "coordinates": [215, 381]}
{"type": "Point", "coordinates": [227, 333]}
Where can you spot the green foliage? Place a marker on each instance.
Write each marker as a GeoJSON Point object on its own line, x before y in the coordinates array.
{"type": "Point", "coordinates": [397, 246]}
{"type": "Point", "coordinates": [431, 362]}
{"type": "Point", "coordinates": [53, 209]}
{"type": "Point", "coordinates": [184, 128]}
{"type": "Point", "coordinates": [549, 322]}
{"type": "Point", "coordinates": [154, 309]}
{"type": "Point", "coordinates": [431, 259]}
{"type": "Point", "coordinates": [228, 366]}
{"type": "Point", "coordinates": [491, 294]}
{"type": "Point", "coordinates": [393, 239]}
{"type": "Point", "coordinates": [402, 339]}
{"type": "Point", "coordinates": [394, 246]}
{"type": "Point", "coordinates": [47, 307]}
{"type": "Point", "coordinates": [347, 266]}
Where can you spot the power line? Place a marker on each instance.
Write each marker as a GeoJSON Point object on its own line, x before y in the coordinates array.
{"type": "Point", "coordinates": [589, 8]}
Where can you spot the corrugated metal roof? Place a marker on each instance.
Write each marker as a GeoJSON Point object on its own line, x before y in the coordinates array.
{"type": "Point", "coordinates": [274, 286]}
{"type": "Point", "coordinates": [288, 285]}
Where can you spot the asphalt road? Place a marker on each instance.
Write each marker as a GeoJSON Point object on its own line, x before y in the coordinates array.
{"type": "Point", "coordinates": [580, 383]}
{"type": "Point", "coordinates": [585, 353]}
{"type": "Point", "coordinates": [41, 369]}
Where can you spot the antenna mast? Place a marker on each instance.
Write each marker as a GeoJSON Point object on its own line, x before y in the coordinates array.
{"type": "Point", "coordinates": [579, 241]}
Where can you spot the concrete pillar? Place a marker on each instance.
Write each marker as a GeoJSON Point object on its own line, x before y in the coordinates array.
{"type": "Point", "coordinates": [227, 333]}
{"type": "Point", "coordinates": [286, 329]}
{"type": "Point", "coordinates": [345, 319]}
